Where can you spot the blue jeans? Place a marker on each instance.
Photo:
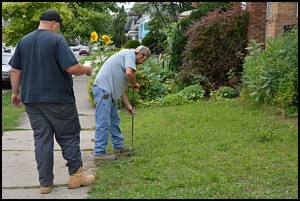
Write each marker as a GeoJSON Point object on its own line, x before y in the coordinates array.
{"type": "Point", "coordinates": [107, 121]}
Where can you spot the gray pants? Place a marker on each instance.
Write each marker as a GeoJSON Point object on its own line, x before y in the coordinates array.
{"type": "Point", "coordinates": [47, 119]}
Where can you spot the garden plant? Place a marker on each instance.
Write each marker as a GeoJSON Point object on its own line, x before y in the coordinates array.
{"type": "Point", "coordinates": [205, 126]}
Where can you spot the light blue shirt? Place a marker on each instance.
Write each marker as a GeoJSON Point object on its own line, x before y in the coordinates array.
{"type": "Point", "coordinates": [112, 76]}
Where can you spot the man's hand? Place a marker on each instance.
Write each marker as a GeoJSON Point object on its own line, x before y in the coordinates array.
{"type": "Point", "coordinates": [136, 86]}
{"type": "Point", "coordinates": [131, 109]}
{"type": "Point", "coordinates": [89, 70]}
{"type": "Point", "coordinates": [16, 101]}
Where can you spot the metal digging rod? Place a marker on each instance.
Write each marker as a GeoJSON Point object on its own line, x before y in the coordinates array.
{"type": "Point", "coordinates": [132, 119]}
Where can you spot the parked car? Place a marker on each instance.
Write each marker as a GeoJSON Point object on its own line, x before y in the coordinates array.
{"type": "Point", "coordinates": [3, 47]}
{"type": "Point", "coordinates": [77, 47]}
{"type": "Point", "coordinates": [84, 50]}
{"type": "Point", "coordinates": [9, 49]}
{"type": "Point", "coordinates": [72, 48]}
{"type": "Point", "coordinates": [6, 68]}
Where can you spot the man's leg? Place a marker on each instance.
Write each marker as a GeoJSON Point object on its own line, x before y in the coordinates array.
{"type": "Point", "coordinates": [102, 119]}
{"type": "Point", "coordinates": [65, 121]}
{"type": "Point", "coordinates": [116, 134]}
{"type": "Point", "coordinates": [67, 127]}
{"type": "Point", "coordinates": [43, 134]}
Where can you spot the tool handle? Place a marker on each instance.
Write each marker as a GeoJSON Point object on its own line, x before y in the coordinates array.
{"type": "Point", "coordinates": [133, 104]}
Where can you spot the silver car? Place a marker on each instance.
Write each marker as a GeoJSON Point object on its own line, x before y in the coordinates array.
{"type": "Point", "coordinates": [6, 68]}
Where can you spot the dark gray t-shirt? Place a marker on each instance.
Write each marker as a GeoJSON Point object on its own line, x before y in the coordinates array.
{"type": "Point", "coordinates": [42, 56]}
{"type": "Point", "coordinates": [112, 76]}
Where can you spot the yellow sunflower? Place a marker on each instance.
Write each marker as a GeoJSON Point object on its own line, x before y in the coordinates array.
{"type": "Point", "coordinates": [106, 39]}
{"type": "Point", "coordinates": [94, 36]}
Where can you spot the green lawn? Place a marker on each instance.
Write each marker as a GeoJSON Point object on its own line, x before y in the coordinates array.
{"type": "Point", "coordinates": [201, 150]}
{"type": "Point", "coordinates": [204, 150]}
{"type": "Point", "coordinates": [10, 115]}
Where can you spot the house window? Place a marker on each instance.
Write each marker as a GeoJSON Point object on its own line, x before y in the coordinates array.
{"type": "Point", "coordinates": [269, 5]}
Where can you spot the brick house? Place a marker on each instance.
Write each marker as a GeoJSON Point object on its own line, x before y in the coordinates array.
{"type": "Point", "coordinates": [268, 19]}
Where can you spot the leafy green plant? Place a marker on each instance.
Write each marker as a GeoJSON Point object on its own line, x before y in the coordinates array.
{"type": "Point", "coordinates": [132, 44]}
{"type": "Point", "coordinates": [176, 38]}
{"type": "Point", "coordinates": [192, 93]}
{"type": "Point", "coordinates": [189, 94]}
{"type": "Point", "coordinates": [262, 86]}
{"type": "Point", "coordinates": [271, 75]}
{"type": "Point", "coordinates": [223, 93]}
{"type": "Point", "coordinates": [266, 133]}
{"type": "Point", "coordinates": [219, 33]}
{"type": "Point", "coordinates": [155, 81]}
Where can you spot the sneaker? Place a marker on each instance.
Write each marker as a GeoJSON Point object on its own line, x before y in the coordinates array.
{"type": "Point", "coordinates": [123, 150]}
{"type": "Point", "coordinates": [45, 190]}
{"type": "Point", "coordinates": [106, 156]}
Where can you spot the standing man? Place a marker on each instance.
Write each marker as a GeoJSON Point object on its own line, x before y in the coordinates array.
{"type": "Point", "coordinates": [44, 64]}
{"type": "Point", "coordinates": [109, 85]}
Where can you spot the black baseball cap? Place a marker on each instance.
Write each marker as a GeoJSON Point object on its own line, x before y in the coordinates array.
{"type": "Point", "coordinates": [50, 15]}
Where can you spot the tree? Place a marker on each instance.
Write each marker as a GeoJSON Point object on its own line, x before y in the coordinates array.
{"type": "Point", "coordinates": [162, 14]}
{"type": "Point", "coordinates": [90, 16]}
{"type": "Point", "coordinates": [118, 30]}
{"type": "Point", "coordinates": [80, 18]}
{"type": "Point", "coordinates": [25, 16]}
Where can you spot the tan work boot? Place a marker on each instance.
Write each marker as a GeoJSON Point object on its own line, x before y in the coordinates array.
{"type": "Point", "coordinates": [79, 179]}
{"type": "Point", "coordinates": [45, 190]}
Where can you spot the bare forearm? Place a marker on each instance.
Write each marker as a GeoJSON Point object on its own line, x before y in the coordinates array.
{"type": "Point", "coordinates": [125, 99]}
{"type": "Point", "coordinates": [130, 76]}
{"type": "Point", "coordinates": [79, 69]}
{"type": "Point", "coordinates": [131, 79]}
{"type": "Point", "coordinates": [130, 108]}
{"type": "Point", "coordinates": [15, 79]}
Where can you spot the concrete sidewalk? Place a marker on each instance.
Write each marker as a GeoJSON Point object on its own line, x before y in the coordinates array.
{"type": "Point", "coordinates": [19, 168]}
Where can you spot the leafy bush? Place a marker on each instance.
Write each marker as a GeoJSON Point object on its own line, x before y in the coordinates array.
{"type": "Point", "coordinates": [271, 76]}
{"type": "Point", "coordinates": [154, 41]}
{"type": "Point", "coordinates": [215, 47]}
{"type": "Point", "coordinates": [223, 93]}
{"type": "Point", "coordinates": [132, 44]}
{"type": "Point", "coordinates": [188, 94]}
{"type": "Point", "coordinates": [178, 41]}
{"type": "Point", "coordinates": [155, 81]}
{"type": "Point", "coordinates": [192, 93]}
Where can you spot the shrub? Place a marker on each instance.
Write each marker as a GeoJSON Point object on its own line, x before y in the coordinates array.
{"type": "Point", "coordinates": [178, 41]}
{"type": "Point", "coordinates": [223, 93]}
{"type": "Point", "coordinates": [154, 41]}
{"type": "Point", "coordinates": [188, 94]}
{"type": "Point", "coordinates": [271, 76]}
{"type": "Point", "coordinates": [132, 44]}
{"type": "Point", "coordinates": [155, 81]}
{"type": "Point", "coordinates": [192, 93]}
{"type": "Point", "coordinates": [216, 46]}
